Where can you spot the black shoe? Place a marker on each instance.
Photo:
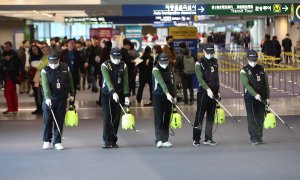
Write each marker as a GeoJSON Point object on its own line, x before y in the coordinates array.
{"type": "Point", "coordinates": [89, 87]}
{"type": "Point", "coordinates": [106, 146]}
{"type": "Point", "coordinates": [98, 103]}
{"type": "Point", "coordinates": [5, 112]}
{"type": "Point", "coordinates": [115, 145]}
{"type": "Point", "coordinates": [36, 112]}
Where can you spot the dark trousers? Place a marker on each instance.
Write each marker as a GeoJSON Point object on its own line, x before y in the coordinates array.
{"type": "Point", "coordinates": [111, 118]}
{"type": "Point", "coordinates": [131, 79]}
{"type": "Point", "coordinates": [59, 109]}
{"type": "Point", "coordinates": [255, 116]}
{"type": "Point", "coordinates": [162, 115]}
{"type": "Point", "coordinates": [187, 84]}
{"type": "Point", "coordinates": [141, 88]}
{"type": "Point", "coordinates": [204, 105]}
{"type": "Point", "coordinates": [37, 98]}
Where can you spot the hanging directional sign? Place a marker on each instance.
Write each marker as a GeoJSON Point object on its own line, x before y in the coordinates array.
{"type": "Point", "coordinates": [295, 12]}
{"type": "Point", "coordinates": [248, 9]}
{"type": "Point", "coordinates": [164, 10]}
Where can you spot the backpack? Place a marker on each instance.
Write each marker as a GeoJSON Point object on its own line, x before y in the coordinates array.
{"type": "Point", "coordinates": [188, 65]}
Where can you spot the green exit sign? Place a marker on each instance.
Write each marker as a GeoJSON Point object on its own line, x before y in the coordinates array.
{"type": "Point", "coordinates": [248, 9]}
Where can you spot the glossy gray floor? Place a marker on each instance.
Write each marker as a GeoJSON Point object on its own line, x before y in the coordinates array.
{"type": "Point", "coordinates": [21, 156]}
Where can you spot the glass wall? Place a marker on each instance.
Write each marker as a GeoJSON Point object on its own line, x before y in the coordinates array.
{"type": "Point", "coordinates": [46, 30]}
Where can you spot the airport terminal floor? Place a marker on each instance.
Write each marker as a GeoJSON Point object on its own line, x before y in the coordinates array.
{"type": "Point", "coordinates": [138, 158]}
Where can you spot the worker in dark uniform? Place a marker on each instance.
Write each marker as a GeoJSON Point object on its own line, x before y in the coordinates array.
{"type": "Point", "coordinates": [257, 93]}
{"type": "Point", "coordinates": [208, 77]}
{"type": "Point", "coordinates": [57, 84]}
{"type": "Point", "coordinates": [115, 90]}
{"type": "Point", "coordinates": [164, 92]}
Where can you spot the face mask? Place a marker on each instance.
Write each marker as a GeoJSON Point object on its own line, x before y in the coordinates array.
{"type": "Point", "coordinates": [115, 61]}
{"type": "Point", "coordinates": [171, 44]}
{"type": "Point", "coordinates": [53, 66]}
{"type": "Point", "coordinates": [252, 63]}
{"type": "Point", "coordinates": [164, 66]}
{"type": "Point", "coordinates": [209, 56]}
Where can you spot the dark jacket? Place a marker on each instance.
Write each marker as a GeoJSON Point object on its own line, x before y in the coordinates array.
{"type": "Point", "coordinates": [11, 68]}
{"type": "Point", "coordinates": [145, 71]}
{"type": "Point", "coordinates": [277, 48]}
{"type": "Point", "coordinates": [269, 48]}
{"type": "Point", "coordinates": [287, 45]}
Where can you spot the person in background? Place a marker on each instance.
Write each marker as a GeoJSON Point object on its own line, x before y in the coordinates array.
{"type": "Point", "coordinates": [277, 49]}
{"type": "Point", "coordinates": [88, 51]}
{"type": "Point", "coordinates": [72, 58]}
{"type": "Point", "coordinates": [12, 67]}
{"type": "Point", "coordinates": [268, 47]}
{"type": "Point", "coordinates": [133, 55]}
{"type": "Point", "coordinates": [156, 51]}
{"type": "Point", "coordinates": [287, 48]}
{"type": "Point", "coordinates": [36, 55]}
{"type": "Point", "coordinates": [54, 45]}
{"type": "Point", "coordinates": [94, 64]}
{"type": "Point", "coordinates": [105, 56]}
{"type": "Point", "coordinates": [57, 84]}
{"type": "Point", "coordinates": [130, 65]}
{"type": "Point", "coordinates": [297, 50]}
{"type": "Point", "coordinates": [81, 50]}
{"type": "Point", "coordinates": [169, 50]}
{"type": "Point", "coordinates": [257, 94]}
{"type": "Point", "coordinates": [1, 68]}
{"type": "Point", "coordinates": [145, 74]}
{"type": "Point", "coordinates": [185, 63]}
{"type": "Point", "coordinates": [164, 92]}
{"type": "Point", "coordinates": [24, 56]}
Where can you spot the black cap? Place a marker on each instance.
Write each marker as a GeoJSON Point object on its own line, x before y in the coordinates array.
{"type": "Point", "coordinates": [252, 55]}
{"type": "Point", "coordinates": [53, 57]}
{"type": "Point", "coordinates": [116, 53]}
{"type": "Point", "coordinates": [163, 57]}
{"type": "Point", "coordinates": [209, 48]}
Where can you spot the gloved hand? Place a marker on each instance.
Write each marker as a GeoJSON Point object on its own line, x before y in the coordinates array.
{"type": "Point", "coordinates": [268, 102]}
{"type": "Point", "coordinates": [72, 98]}
{"type": "Point", "coordinates": [48, 102]}
{"type": "Point", "coordinates": [170, 98]}
{"type": "Point", "coordinates": [116, 97]}
{"type": "Point", "coordinates": [127, 101]}
{"type": "Point", "coordinates": [258, 97]}
{"type": "Point", "coordinates": [210, 93]}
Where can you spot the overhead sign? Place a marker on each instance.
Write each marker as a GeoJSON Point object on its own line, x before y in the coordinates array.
{"type": "Point", "coordinates": [134, 34]}
{"type": "Point", "coordinates": [164, 10]}
{"type": "Point", "coordinates": [295, 12]}
{"type": "Point", "coordinates": [86, 20]}
{"type": "Point", "coordinates": [248, 9]}
{"type": "Point", "coordinates": [183, 32]}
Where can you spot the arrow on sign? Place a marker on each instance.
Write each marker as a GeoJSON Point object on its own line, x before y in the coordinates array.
{"type": "Point", "coordinates": [285, 8]}
{"type": "Point", "coordinates": [201, 9]}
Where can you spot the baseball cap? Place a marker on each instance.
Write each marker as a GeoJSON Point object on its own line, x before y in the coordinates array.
{"type": "Point", "coordinates": [252, 55]}
{"type": "Point", "coordinates": [163, 58]}
{"type": "Point", "coordinates": [116, 53]}
{"type": "Point", "coordinates": [209, 48]}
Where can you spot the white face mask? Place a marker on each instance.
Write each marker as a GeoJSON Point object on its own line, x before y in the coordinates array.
{"type": "Point", "coordinates": [209, 56]}
{"type": "Point", "coordinates": [164, 66]}
{"type": "Point", "coordinates": [53, 66]}
{"type": "Point", "coordinates": [252, 63]}
{"type": "Point", "coordinates": [115, 61]}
